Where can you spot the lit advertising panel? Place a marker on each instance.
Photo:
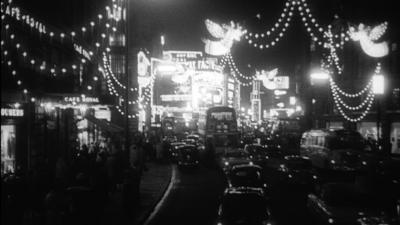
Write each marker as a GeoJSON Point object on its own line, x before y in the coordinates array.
{"type": "Point", "coordinates": [183, 79]}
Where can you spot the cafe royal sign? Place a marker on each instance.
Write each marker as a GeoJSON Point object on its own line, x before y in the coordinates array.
{"type": "Point", "coordinates": [81, 99]}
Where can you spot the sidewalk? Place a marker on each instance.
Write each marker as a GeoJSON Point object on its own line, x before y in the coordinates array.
{"type": "Point", "coordinates": [153, 185]}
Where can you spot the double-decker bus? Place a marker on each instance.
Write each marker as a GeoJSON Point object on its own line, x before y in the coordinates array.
{"type": "Point", "coordinates": [220, 130]}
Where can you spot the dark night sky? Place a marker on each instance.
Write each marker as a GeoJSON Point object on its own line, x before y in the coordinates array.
{"type": "Point", "coordinates": [182, 23]}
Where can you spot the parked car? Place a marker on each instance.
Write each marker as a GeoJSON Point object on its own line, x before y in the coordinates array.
{"type": "Point", "coordinates": [232, 158]}
{"type": "Point", "coordinates": [188, 156]}
{"type": "Point", "coordinates": [347, 203]}
{"type": "Point", "coordinates": [173, 151]}
{"type": "Point", "coordinates": [243, 205]}
{"type": "Point", "coordinates": [246, 175]}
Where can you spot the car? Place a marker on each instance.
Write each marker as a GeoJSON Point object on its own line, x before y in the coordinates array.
{"type": "Point", "coordinates": [188, 156]}
{"type": "Point", "coordinates": [235, 157]}
{"type": "Point", "coordinates": [190, 141]}
{"type": "Point", "coordinates": [173, 151]}
{"type": "Point", "coordinates": [193, 137]}
{"type": "Point", "coordinates": [256, 152]}
{"type": "Point", "coordinates": [334, 149]}
{"type": "Point", "coordinates": [243, 205]}
{"type": "Point", "coordinates": [298, 170]}
{"type": "Point", "coordinates": [349, 203]}
{"type": "Point", "coordinates": [246, 175]}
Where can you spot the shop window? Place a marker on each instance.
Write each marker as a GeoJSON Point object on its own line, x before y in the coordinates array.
{"type": "Point", "coordinates": [8, 146]}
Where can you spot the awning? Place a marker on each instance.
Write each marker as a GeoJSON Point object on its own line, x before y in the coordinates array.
{"type": "Point", "coordinates": [104, 124]}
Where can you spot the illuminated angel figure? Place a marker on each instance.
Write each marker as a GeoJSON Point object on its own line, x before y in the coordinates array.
{"type": "Point", "coordinates": [268, 78]}
{"type": "Point", "coordinates": [226, 35]}
{"type": "Point", "coordinates": [367, 38]}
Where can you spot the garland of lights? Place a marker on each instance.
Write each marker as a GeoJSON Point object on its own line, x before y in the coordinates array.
{"type": "Point", "coordinates": [283, 22]}
{"type": "Point", "coordinates": [106, 62]}
{"type": "Point", "coordinates": [19, 82]}
{"type": "Point", "coordinates": [333, 58]}
{"type": "Point", "coordinates": [18, 79]}
{"type": "Point", "coordinates": [313, 28]}
{"type": "Point", "coordinates": [340, 91]}
{"type": "Point", "coordinates": [310, 22]}
{"type": "Point", "coordinates": [17, 14]}
{"type": "Point", "coordinates": [340, 104]}
{"type": "Point", "coordinates": [107, 73]}
{"type": "Point", "coordinates": [228, 60]}
{"type": "Point", "coordinates": [26, 57]}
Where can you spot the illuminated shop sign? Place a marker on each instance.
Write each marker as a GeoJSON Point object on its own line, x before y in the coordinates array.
{"type": "Point", "coordinates": [182, 56]}
{"type": "Point", "coordinates": [281, 82]}
{"type": "Point", "coordinates": [17, 14]}
{"type": "Point", "coordinates": [8, 112]}
{"type": "Point", "coordinates": [175, 98]}
{"type": "Point", "coordinates": [82, 51]}
{"type": "Point", "coordinates": [82, 99]}
{"type": "Point", "coordinates": [209, 78]}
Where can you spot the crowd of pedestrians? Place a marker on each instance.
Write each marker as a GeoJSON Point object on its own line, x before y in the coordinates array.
{"type": "Point", "coordinates": [76, 191]}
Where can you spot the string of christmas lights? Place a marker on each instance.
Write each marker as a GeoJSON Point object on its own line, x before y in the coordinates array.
{"type": "Point", "coordinates": [106, 71]}
{"type": "Point", "coordinates": [341, 105]}
{"type": "Point", "coordinates": [228, 60]}
{"type": "Point", "coordinates": [283, 23]}
{"type": "Point", "coordinates": [18, 14]}
{"type": "Point", "coordinates": [18, 79]}
{"type": "Point", "coordinates": [43, 65]}
{"type": "Point", "coordinates": [314, 29]}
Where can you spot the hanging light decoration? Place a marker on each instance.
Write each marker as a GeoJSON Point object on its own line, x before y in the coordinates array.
{"type": "Point", "coordinates": [237, 75]}
{"type": "Point", "coordinates": [272, 36]}
{"type": "Point", "coordinates": [368, 37]}
{"type": "Point", "coordinates": [226, 34]}
{"type": "Point", "coordinates": [341, 105]}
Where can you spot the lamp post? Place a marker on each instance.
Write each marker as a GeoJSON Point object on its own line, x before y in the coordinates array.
{"type": "Point", "coordinates": [378, 88]}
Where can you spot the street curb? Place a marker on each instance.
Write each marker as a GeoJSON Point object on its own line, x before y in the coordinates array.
{"type": "Point", "coordinates": [153, 212]}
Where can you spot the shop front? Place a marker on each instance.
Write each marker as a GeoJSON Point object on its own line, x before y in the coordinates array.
{"type": "Point", "coordinates": [13, 137]}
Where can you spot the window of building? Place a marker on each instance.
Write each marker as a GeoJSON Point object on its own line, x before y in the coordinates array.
{"type": "Point", "coordinates": [8, 147]}
{"type": "Point", "coordinates": [117, 39]}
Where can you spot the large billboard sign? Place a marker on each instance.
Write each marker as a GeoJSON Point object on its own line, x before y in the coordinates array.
{"type": "Point", "coordinates": [186, 79]}
{"type": "Point", "coordinates": [281, 82]}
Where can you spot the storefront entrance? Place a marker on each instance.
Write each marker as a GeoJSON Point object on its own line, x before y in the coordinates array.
{"type": "Point", "coordinates": [8, 148]}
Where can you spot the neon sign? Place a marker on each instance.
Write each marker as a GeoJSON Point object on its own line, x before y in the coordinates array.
{"type": "Point", "coordinates": [7, 112]}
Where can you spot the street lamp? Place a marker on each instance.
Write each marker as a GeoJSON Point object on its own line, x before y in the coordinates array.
{"type": "Point", "coordinates": [378, 88]}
